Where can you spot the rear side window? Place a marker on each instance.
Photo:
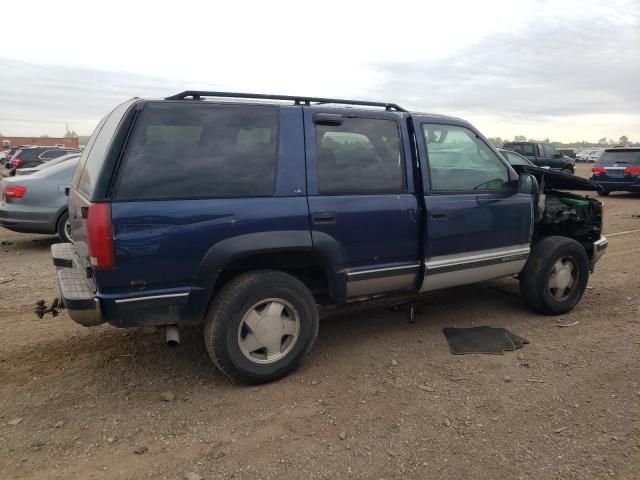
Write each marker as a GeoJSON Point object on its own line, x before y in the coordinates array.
{"type": "Point", "coordinates": [96, 151]}
{"type": "Point", "coordinates": [199, 151]}
{"type": "Point", "coordinates": [28, 154]}
{"type": "Point", "coordinates": [620, 157]}
{"type": "Point", "coordinates": [362, 155]}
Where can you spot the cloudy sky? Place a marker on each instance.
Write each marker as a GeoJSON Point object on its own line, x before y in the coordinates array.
{"type": "Point", "coordinates": [564, 69]}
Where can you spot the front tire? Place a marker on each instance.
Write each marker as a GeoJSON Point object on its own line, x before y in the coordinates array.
{"type": "Point", "coordinates": [64, 228]}
{"type": "Point", "coordinates": [555, 276]}
{"type": "Point", "coordinates": [260, 326]}
{"type": "Point", "coordinates": [603, 193]}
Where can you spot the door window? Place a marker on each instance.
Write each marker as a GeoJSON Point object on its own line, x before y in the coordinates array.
{"type": "Point", "coordinates": [549, 151]}
{"type": "Point", "coordinates": [460, 161]}
{"type": "Point", "coordinates": [361, 155]}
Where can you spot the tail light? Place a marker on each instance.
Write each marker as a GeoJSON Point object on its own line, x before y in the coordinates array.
{"type": "Point", "coordinates": [598, 170]}
{"type": "Point", "coordinates": [15, 191]}
{"type": "Point", "coordinates": [632, 170]}
{"type": "Point", "coordinates": [100, 236]}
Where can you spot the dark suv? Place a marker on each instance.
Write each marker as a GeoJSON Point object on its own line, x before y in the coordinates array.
{"type": "Point", "coordinates": [618, 169]}
{"type": "Point", "coordinates": [245, 215]}
{"type": "Point", "coordinates": [29, 157]}
{"type": "Point", "coordinates": [543, 155]}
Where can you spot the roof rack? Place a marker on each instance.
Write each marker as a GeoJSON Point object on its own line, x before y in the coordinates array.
{"type": "Point", "coordinates": [198, 94]}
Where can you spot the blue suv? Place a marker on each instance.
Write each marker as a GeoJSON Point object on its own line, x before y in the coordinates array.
{"type": "Point", "coordinates": [245, 212]}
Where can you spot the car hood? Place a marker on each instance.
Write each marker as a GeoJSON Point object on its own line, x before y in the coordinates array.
{"type": "Point", "coordinates": [555, 180]}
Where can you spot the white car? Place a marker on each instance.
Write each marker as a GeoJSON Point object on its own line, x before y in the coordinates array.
{"type": "Point", "coordinates": [594, 155]}
{"type": "Point", "coordinates": [582, 155]}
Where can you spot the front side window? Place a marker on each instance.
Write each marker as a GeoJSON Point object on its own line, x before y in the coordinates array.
{"type": "Point", "coordinates": [459, 161]}
{"type": "Point", "coordinates": [549, 151]}
{"type": "Point", "coordinates": [201, 151]}
{"type": "Point", "coordinates": [361, 155]}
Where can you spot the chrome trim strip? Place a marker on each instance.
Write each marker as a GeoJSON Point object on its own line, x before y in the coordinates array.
{"type": "Point", "coordinates": [152, 297]}
{"type": "Point", "coordinates": [505, 255]}
{"type": "Point", "coordinates": [386, 269]}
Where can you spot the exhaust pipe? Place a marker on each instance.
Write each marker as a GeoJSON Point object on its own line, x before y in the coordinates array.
{"type": "Point", "coordinates": [172, 335]}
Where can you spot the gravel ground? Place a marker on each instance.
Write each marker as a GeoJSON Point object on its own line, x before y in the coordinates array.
{"type": "Point", "coordinates": [109, 403]}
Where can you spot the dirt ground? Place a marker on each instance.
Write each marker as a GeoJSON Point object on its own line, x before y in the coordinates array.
{"type": "Point", "coordinates": [87, 403]}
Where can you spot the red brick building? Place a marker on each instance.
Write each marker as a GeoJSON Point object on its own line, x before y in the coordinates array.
{"type": "Point", "coordinates": [6, 142]}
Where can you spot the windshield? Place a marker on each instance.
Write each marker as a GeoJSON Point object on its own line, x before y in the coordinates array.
{"type": "Point", "coordinates": [514, 158]}
{"type": "Point", "coordinates": [623, 157]}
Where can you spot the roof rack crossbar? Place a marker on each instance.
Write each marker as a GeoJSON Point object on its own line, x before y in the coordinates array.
{"type": "Point", "coordinates": [198, 94]}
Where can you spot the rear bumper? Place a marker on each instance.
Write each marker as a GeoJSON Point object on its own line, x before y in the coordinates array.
{"type": "Point", "coordinates": [29, 219]}
{"type": "Point", "coordinates": [89, 308]}
{"type": "Point", "coordinates": [77, 294]}
{"type": "Point", "coordinates": [621, 186]}
{"type": "Point", "coordinates": [599, 249]}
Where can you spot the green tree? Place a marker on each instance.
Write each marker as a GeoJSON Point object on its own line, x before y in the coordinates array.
{"type": "Point", "coordinates": [624, 140]}
{"type": "Point", "coordinates": [496, 141]}
{"type": "Point", "coordinates": [519, 138]}
{"type": "Point", "coordinates": [602, 141]}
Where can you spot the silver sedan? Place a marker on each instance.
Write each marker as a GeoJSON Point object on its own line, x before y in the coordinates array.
{"type": "Point", "coordinates": [37, 203]}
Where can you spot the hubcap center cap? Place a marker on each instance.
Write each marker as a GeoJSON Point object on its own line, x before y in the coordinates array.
{"type": "Point", "coordinates": [269, 329]}
{"type": "Point", "coordinates": [563, 278]}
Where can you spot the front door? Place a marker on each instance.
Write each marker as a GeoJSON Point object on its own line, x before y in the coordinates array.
{"type": "Point", "coordinates": [361, 197]}
{"type": "Point", "coordinates": [477, 226]}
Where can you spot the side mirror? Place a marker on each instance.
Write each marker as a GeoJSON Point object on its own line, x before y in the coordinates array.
{"type": "Point", "coordinates": [558, 155]}
{"type": "Point", "coordinates": [528, 184]}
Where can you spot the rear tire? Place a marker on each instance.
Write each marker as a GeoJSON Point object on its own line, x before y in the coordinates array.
{"type": "Point", "coordinates": [260, 326]}
{"type": "Point", "coordinates": [64, 228]}
{"type": "Point", "coordinates": [555, 276]}
{"type": "Point", "coordinates": [604, 193]}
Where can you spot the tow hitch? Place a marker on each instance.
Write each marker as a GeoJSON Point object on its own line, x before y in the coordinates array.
{"type": "Point", "coordinates": [54, 309]}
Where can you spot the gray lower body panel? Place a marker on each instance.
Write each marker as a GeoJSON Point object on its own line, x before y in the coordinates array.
{"type": "Point", "coordinates": [453, 270]}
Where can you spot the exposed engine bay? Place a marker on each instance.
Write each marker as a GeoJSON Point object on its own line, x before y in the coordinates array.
{"type": "Point", "coordinates": [569, 215]}
{"type": "Point", "coordinates": [559, 212]}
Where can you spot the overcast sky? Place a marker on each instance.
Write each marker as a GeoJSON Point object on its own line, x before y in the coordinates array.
{"type": "Point", "coordinates": [564, 69]}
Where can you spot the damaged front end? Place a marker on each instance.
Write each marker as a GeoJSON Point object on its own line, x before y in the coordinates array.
{"type": "Point", "coordinates": [559, 212]}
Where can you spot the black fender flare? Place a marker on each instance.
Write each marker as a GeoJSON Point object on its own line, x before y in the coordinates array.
{"type": "Point", "coordinates": [234, 248]}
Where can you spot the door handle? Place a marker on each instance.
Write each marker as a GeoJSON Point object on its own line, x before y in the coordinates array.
{"type": "Point", "coordinates": [324, 217]}
{"type": "Point", "coordinates": [438, 216]}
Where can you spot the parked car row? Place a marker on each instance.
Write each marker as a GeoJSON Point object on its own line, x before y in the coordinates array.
{"type": "Point", "coordinates": [33, 156]}
{"type": "Point", "coordinates": [589, 155]}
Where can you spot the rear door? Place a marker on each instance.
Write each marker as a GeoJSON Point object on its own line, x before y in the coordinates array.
{"type": "Point", "coordinates": [361, 197]}
{"type": "Point", "coordinates": [477, 226]}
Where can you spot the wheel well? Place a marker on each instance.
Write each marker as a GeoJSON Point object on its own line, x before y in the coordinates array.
{"type": "Point", "coordinates": [305, 266]}
{"type": "Point", "coordinates": [59, 218]}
